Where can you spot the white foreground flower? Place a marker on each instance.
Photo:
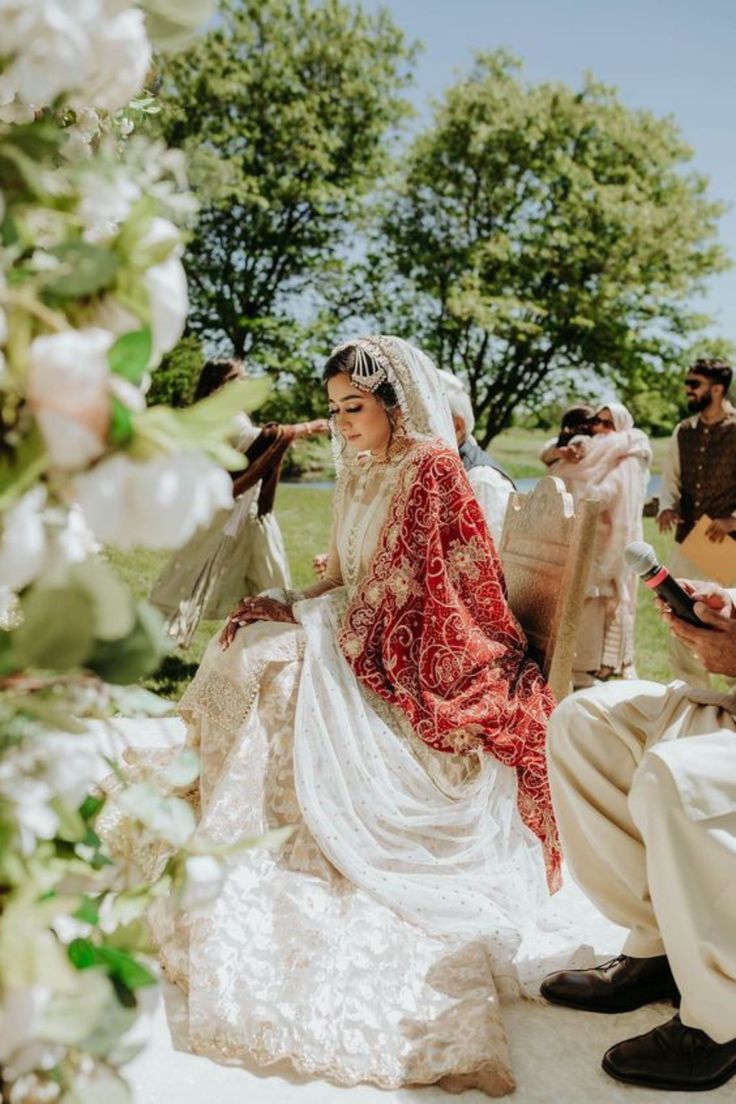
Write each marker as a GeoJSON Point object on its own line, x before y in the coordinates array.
{"type": "Point", "coordinates": [156, 503]}
{"type": "Point", "coordinates": [105, 202]}
{"type": "Point", "coordinates": [98, 50]}
{"type": "Point", "coordinates": [118, 61]}
{"type": "Point", "coordinates": [23, 541]}
{"type": "Point", "coordinates": [204, 881]}
{"type": "Point", "coordinates": [166, 284]}
{"type": "Point", "coordinates": [69, 764]}
{"type": "Point", "coordinates": [68, 393]}
{"type": "Point", "coordinates": [21, 1015]}
{"type": "Point", "coordinates": [168, 300]}
{"type": "Point", "coordinates": [33, 1089]}
{"type": "Point", "coordinates": [34, 817]}
{"type": "Point", "coordinates": [50, 44]}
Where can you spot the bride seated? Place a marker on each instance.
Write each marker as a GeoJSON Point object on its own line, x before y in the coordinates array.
{"type": "Point", "coordinates": [391, 715]}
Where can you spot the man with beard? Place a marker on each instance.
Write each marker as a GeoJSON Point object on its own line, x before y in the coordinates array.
{"type": "Point", "coordinates": [699, 477]}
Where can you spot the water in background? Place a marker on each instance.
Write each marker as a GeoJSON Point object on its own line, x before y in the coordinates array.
{"type": "Point", "coordinates": [655, 482]}
{"type": "Point", "coordinates": [523, 485]}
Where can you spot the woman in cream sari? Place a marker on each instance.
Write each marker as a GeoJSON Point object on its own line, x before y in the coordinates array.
{"type": "Point", "coordinates": [391, 716]}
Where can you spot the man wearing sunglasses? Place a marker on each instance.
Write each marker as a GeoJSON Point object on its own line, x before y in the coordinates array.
{"type": "Point", "coordinates": [699, 477]}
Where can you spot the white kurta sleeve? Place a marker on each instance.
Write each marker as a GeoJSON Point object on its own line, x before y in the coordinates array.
{"type": "Point", "coordinates": [244, 432]}
{"type": "Point", "coordinates": [546, 447]}
{"type": "Point", "coordinates": [492, 492]}
{"type": "Point", "coordinates": [669, 491]}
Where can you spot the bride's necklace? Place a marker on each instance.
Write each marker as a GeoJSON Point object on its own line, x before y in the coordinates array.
{"type": "Point", "coordinates": [365, 512]}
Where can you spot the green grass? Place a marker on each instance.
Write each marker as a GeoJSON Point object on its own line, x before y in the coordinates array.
{"type": "Point", "coordinates": [304, 515]}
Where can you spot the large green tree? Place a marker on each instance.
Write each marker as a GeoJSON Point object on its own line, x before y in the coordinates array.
{"type": "Point", "coordinates": [285, 108]}
{"type": "Point", "coordinates": [538, 232]}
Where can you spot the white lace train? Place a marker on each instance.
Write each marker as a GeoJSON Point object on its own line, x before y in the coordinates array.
{"type": "Point", "coordinates": [371, 945]}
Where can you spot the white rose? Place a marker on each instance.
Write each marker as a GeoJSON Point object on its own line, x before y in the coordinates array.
{"type": "Point", "coordinates": [68, 393]}
{"type": "Point", "coordinates": [21, 1015]}
{"type": "Point", "coordinates": [32, 1088]}
{"type": "Point", "coordinates": [166, 284]}
{"type": "Point", "coordinates": [172, 23]}
{"type": "Point", "coordinates": [70, 763]}
{"type": "Point", "coordinates": [204, 881]}
{"type": "Point", "coordinates": [120, 56]}
{"type": "Point", "coordinates": [34, 817]}
{"type": "Point", "coordinates": [15, 113]}
{"type": "Point", "coordinates": [168, 300]}
{"type": "Point", "coordinates": [51, 43]}
{"type": "Point", "coordinates": [105, 203]}
{"type": "Point", "coordinates": [23, 541]}
{"type": "Point", "coordinates": [156, 503]}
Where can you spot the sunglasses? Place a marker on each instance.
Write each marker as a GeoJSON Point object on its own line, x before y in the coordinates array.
{"type": "Point", "coordinates": [600, 421]}
{"type": "Point", "coordinates": [694, 384]}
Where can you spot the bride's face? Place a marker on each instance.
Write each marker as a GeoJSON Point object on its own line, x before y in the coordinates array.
{"type": "Point", "coordinates": [358, 415]}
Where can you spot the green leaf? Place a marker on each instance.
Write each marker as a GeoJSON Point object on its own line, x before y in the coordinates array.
{"type": "Point", "coordinates": [82, 954]}
{"type": "Point", "coordinates": [127, 910]}
{"type": "Point", "coordinates": [130, 354]}
{"type": "Point", "coordinates": [8, 230]}
{"type": "Point", "coordinates": [125, 968]}
{"type": "Point", "coordinates": [21, 467]}
{"type": "Point", "coordinates": [171, 25]}
{"type": "Point", "coordinates": [88, 911]}
{"type": "Point", "coordinates": [120, 429]}
{"type": "Point", "coordinates": [71, 827]}
{"type": "Point", "coordinates": [246, 394]}
{"type": "Point", "coordinates": [137, 701]}
{"type": "Point", "coordinates": [112, 602]}
{"type": "Point", "coordinates": [206, 425]}
{"type": "Point", "coordinates": [57, 629]}
{"type": "Point", "coordinates": [90, 807]}
{"type": "Point", "coordinates": [138, 654]}
{"type": "Point", "coordinates": [85, 269]}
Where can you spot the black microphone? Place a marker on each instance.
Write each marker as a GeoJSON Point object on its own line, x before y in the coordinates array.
{"type": "Point", "coordinates": [641, 559]}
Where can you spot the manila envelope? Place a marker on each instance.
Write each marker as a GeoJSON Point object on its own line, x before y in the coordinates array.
{"type": "Point", "coordinates": [715, 559]}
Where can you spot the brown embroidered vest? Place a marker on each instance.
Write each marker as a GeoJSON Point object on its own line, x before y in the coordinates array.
{"type": "Point", "coordinates": [707, 471]}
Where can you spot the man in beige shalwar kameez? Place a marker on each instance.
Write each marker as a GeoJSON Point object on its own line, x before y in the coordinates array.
{"type": "Point", "coordinates": [643, 780]}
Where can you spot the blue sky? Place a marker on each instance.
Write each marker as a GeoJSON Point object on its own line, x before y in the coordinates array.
{"type": "Point", "coordinates": [673, 57]}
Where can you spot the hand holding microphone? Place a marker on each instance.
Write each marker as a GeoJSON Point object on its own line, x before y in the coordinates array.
{"type": "Point", "coordinates": [640, 558]}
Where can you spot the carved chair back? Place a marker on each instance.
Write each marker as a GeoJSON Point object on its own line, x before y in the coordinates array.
{"type": "Point", "coordinates": [546, 551]}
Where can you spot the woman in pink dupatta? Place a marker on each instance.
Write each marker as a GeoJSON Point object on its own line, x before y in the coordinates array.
{"type": "Point", "coordinates": [614, 469]}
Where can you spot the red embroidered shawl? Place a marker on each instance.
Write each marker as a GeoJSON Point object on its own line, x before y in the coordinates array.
{"type": "Point", "coordinates": [429, 630]}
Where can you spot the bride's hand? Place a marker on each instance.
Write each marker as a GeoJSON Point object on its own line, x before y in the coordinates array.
{"type": "Point", "coordinates": [253, 609]}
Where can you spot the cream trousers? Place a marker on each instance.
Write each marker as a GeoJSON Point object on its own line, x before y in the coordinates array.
{"type": "Point", "coordinates": [644, 786]}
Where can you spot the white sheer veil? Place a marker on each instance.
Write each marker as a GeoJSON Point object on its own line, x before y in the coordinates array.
{"type": "Point", "coordinates": [382, 358]}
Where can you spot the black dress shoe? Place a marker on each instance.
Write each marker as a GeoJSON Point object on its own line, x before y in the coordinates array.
{"type": "Point", "coordinates": [620, 985]}
{"type": "Point", "coordinates": [672, 1057]}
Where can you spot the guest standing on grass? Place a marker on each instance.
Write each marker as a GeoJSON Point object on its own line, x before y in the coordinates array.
{"type": "Point", "coordinates": [699, 477]}
{"type": "Point", "coordinates": [241, 551]}
{"type": "Point", "coordinates": [575, 423]}
{"type": "Point", "coordinates": [612, 466]}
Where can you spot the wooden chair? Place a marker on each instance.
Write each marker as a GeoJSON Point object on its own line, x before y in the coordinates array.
{"type": "Point", "coordinates": [546, 551]}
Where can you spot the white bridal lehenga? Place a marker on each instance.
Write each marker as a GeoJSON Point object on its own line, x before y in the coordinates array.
{"type": "Point", "coordinates": [373, 944]}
